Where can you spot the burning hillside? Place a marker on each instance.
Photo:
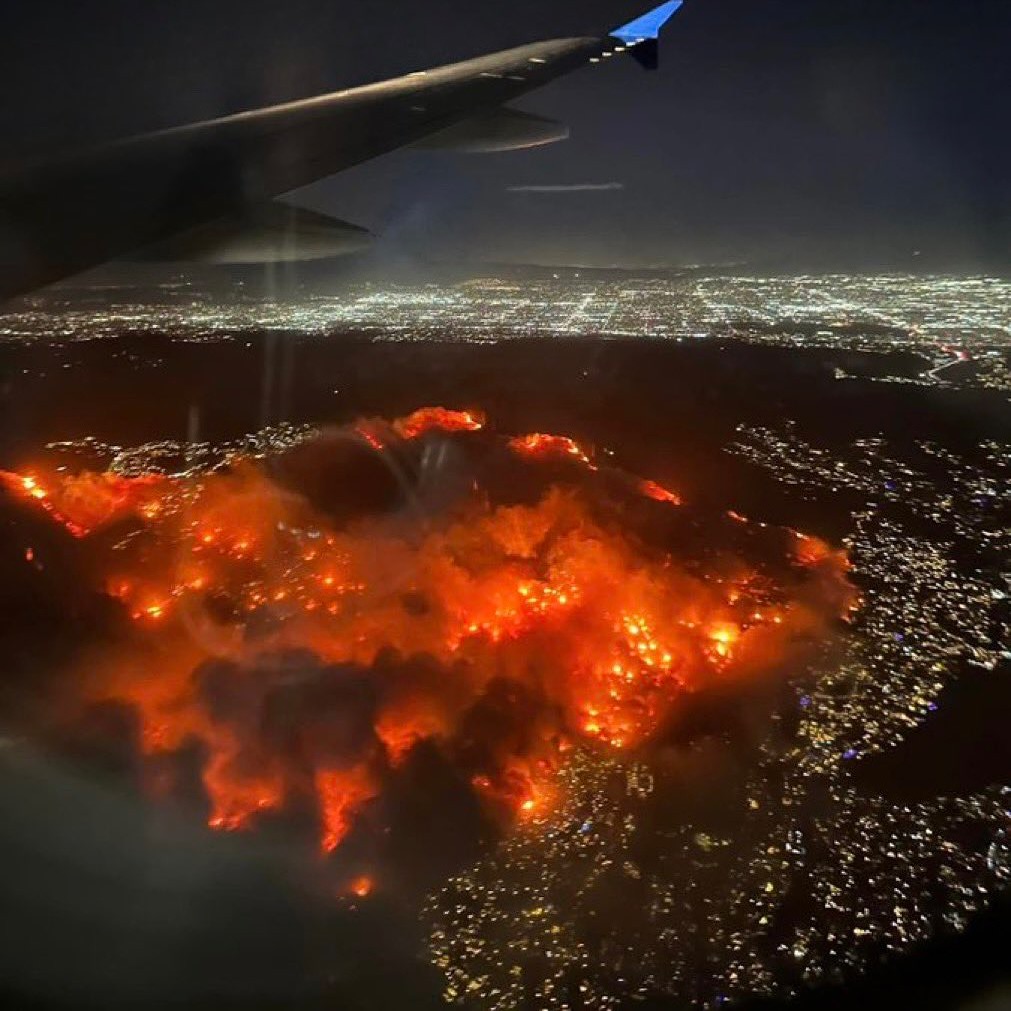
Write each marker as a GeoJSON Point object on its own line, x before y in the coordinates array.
{"type": "Point", "coordinates": [305, 650]}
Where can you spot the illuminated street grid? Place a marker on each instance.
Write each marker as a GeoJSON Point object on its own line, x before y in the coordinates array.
{"type": "Point", "coordinates": [925, 610]}
{"type": "Point", "coordinates": [815, 878]}
{"type": "Point", "coordinates": [959, 328]}
{"type": "Point", "coordinates": [968, 497]}
{"type": "Point", "coordinates": [569, 913]}
{"type": "Point", "coordinates": [176, 459]}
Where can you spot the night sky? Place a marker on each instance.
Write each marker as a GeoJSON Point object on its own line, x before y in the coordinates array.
{"type": "Point", "coordinates": [797, 132]}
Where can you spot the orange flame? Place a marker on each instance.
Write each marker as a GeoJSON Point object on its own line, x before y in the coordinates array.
{"type": "Point", "coordinates": [341, 793]}
{"type": "Point", "coordinates": [88, 501]}
{"type": "Point", "coordinates": [538, 444]}
{"type": "Point", "coordinates": [438, 418]}
{"type": "Point", "coordinates": [597, 638]}
{"type": "Point", "coordinates": [658, 493]}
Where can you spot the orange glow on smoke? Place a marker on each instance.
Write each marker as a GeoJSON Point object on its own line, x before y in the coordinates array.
{"type": "Point", "coordinates": [596, 638]}
{"type": "Point", "coordinates": [361, 886]}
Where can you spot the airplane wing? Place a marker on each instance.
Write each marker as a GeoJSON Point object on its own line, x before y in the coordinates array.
{"type": "Point", "coordinates": [207, 191]}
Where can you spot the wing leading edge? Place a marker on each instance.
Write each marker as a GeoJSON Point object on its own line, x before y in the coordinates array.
{"type": "Point", "coordinates": [59, 216]}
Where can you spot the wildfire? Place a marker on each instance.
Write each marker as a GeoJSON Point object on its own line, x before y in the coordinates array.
{"type": "Point", "coordinates": [361, 886]}
{"type": "Point", "coordinates": [85, 502]}
{"type": "Point", "coordinates": [658, 493]}
{"type": "Point", "coordinates": [341, 793]}
{"type": "Point", "coordinates": [724, 636]}
{"type": "Point", "coordinates": [428, 418]}
{"type": "Point", "coordinates": [309, 659]}
{"type": "Point", "coordinates": [811, 551]}
{"type": "Point", "coordinates": [540, 445]}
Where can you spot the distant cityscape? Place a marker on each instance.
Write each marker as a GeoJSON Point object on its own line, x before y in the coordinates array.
{"type": "Point", "coordinates": [958, 329]}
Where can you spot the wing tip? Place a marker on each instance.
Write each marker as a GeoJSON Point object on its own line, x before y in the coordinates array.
{"type": "Point", "coordinates": [648, 26]}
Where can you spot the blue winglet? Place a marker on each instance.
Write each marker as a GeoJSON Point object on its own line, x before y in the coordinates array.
{"type": "Point", "coordinates": [649, 25]}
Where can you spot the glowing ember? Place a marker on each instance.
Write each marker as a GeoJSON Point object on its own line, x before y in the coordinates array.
{"type": "Point", "coordinates": [361, 886]}
{"type": "Point", "coordinates": [308, 659]}
{"type": "Point", "coordinates": [371, 437]}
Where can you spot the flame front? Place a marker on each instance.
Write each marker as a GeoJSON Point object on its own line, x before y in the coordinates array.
{"type": "Point", "coordinates": [307, 659]}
